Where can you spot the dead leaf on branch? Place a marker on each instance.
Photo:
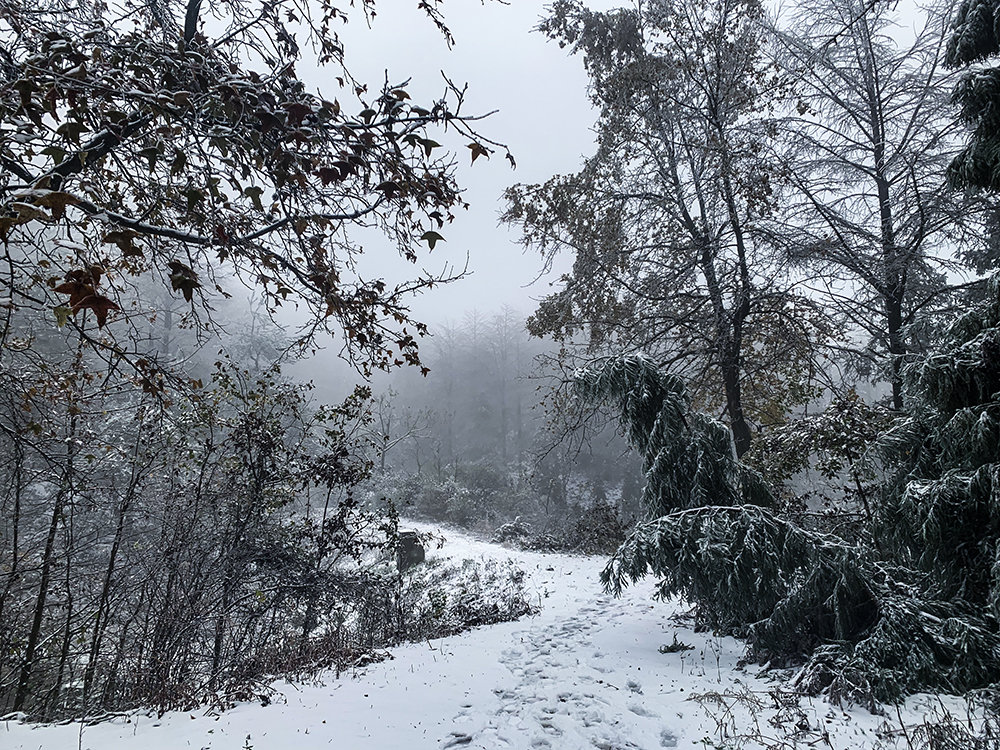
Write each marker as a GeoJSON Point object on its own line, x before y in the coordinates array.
{"type": "Point", "coordinates": [183, 279]}
{"type": "Point", "coordinates": [432, 238]}
{"type": "Point", "coordinates": [123, 238]}
{"type": "Point", "coordinates": [77, 291]}
{"type": "Point", "coordinates": [297, 112]}
{"type": "Point", "coordinates": [29, 212]}
{"type": "Point", "coordinates": [91, 274]}
{"type": "Point", "coordinates": [62, 313]}
{"type": "Point", "coordinates": [388, 188]}
{"type": "Point", "coordinates": [478, 150]}
{"type": "Point", "coordinates": [332, 174]}
{"type": "Point", "coordinates": [80, 284]}
{"type": "Point", "coordinates": [101, 306]}
{"type": "Point", "coordinates": [57, 200]}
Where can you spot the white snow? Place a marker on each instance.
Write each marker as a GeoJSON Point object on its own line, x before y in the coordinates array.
{"type": "Point", "coordinates": [586, 672]}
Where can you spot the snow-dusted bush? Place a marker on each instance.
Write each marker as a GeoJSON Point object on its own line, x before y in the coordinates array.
{"type": "Point", "coordinates": [516, 531]}
{"type": "Point", "coordinates": [372, 608]}
{"type": "Point", "coordinates": [594, 529]}
{"type": "Point", "coordinates": [437, 599]}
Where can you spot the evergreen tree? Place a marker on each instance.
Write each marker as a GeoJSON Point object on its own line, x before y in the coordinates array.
{"type": "Point", "coordinates": [689, 458]}
{"type": "Point", "coordinates": [975, 39]}
{"type": "Point", "coordinates": [942, 504]}
{"type": "Point", "coordinates": [916, 612]}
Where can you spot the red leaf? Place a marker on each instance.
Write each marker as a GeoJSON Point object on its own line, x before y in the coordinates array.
{"type": "Point", "coordinates": [77, 291]}
{"type": "Point", "coordinates": [101, 306]}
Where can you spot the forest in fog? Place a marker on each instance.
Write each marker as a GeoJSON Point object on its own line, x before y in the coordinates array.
{"type": "Point", "coordinates": [764, 368]}
{"type": "Point", "coordinates": [482, 443]}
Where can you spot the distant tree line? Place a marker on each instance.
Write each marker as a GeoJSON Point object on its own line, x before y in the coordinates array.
{"type": "Point", "coordinates": [476, 444]}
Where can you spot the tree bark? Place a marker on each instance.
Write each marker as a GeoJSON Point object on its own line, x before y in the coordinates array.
{"type": "Point", "coordinates": [24, 676]}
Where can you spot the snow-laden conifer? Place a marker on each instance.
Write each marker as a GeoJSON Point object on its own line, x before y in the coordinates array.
{"type": "Point", "coordinates": [865, 620]}
{"type": "Point", "coordinates": [975, 39]}
{"type": "Point", "coordinates": [689, 458]}
{"type": "Point", "coordinates": [942, 505]}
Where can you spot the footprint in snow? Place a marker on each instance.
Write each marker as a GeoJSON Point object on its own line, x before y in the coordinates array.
{"type": "Point", "coordinates": [458, 739]}
{"type": "Point", "coordinates": [604, 744]}
{"type": "Point", "coordinates": [640, 710]}
{"type": "Point", "coordinates": [668, 738]}
{"type": "Point", "coordinates": [550, 728]}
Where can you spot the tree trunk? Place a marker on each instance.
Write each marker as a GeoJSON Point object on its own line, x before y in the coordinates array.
{"type": "Point", "coordinates": [894, 323]}
{"type": "Point", "coordinates": [24, 677]}
{"type": "Point", "coordinates": [14, 572]}
{"type": "Point", "coordinates": [734, 404]}
{"type": "Point", "coordinates": [104, 603]}
{"type": "Point", "coordinates": [728, 332]}
{"type": "Point", "coordinates": [52, 702]}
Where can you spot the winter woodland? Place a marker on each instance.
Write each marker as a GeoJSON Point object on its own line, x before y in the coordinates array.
{"type": "Point", "coordinates": [734, 482]}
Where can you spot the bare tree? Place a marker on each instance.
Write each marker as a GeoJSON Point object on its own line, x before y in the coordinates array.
{"type": "Point", "coordinates": [664, 220]}
{"type": "Point", "coordinates": [869, 148]}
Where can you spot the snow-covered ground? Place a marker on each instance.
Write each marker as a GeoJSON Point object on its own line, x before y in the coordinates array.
{"type": "Point", "coordinates": [586, 672]}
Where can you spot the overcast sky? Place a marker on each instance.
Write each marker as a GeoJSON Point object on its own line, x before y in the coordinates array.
{"type": "Point", "coordinates": [543, 115]}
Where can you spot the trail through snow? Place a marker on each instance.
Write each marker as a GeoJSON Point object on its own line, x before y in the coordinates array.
{"type": "Point", "coordinates": [586, 672]}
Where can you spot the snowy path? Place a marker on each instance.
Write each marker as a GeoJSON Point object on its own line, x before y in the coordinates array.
{"type": "Point", "coordinates": [586, 672]}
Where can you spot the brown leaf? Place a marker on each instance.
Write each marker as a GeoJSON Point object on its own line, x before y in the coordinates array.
{"type": "Point", "coordinates": [268, 121]}
{"type": "Point", "coordinates": [7, 223]}
{"type": "Point", "coordinates": [388, 188]}
{"type": "Point", "coordinates": [77, 291]}
{"type": "Point", "coordinates": [297, 112]}
{"type": "Point", "coordinates": [57, 201]}
{"type": "Point", "coordinates": [29, 212]}
{"type": "Point", "coordinates": [123, 238]}
{"type": "Point", "coordinates": [330, 174]}
{"type": "Point", "coordinates": [101, 306]}
{"type": "Point", "coordinates": [183, 279]}
{"type": "Point", "coordinates": [478, 150]}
